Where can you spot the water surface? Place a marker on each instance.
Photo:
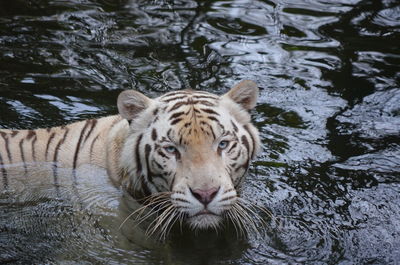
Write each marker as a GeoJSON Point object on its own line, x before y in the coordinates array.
{"type": "Point", "coordinates": [329, 116]}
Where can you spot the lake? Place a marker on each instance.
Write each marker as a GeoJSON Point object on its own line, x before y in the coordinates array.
{"type": "Point", "coordinates": [328, 113]}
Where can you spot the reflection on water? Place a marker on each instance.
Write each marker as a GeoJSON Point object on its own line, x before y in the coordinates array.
{"type": "Point", "coordinates": [328, 113]}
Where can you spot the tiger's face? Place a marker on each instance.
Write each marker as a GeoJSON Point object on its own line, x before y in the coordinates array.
{"type": "Point", "coordinates": [193, 147]}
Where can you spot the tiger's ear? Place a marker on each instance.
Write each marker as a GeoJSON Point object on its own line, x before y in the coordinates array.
{"type": "Point", "coordinates": [130, 103]}
{"type": "Point", "coordinates": [245, 93]}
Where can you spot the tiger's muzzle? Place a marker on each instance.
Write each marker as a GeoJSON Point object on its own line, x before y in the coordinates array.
{"type": "Point", "coordinates": [204, 208]}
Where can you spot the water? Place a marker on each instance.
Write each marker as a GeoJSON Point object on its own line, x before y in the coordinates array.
{"type": "Point", "coordinates": [329, 115]}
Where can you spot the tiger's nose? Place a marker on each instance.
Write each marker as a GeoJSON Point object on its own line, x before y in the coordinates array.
{"type": "Point", "coordinates": [205, 196]}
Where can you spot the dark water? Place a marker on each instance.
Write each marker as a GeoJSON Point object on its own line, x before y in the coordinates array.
{"type": "Point", "coordinates": [329, 114]}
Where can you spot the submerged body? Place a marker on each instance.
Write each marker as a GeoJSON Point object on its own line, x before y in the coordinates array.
{"type": "Point", "coordinates": [188, 150]}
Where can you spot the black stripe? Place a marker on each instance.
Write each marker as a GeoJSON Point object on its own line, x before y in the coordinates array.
{"type": "Point", "coordinates": [155, 112]}
{"type": "Point", "coordinates": [176, 115]}
{"type": "Point", "coordinates": [177, 105]}
{"type": "Point", "coordinates": [21, 149]}
{"type": "Point", "coordinates": [213, 119]}
{"type": "Point", "coordinates": [162, 154]}
{"type": "Point", "coordinates": [154, 134]}
{"type": "Point", "coordinates": [217, 121]}
{"type": "Point", "coordinates": [252, 140]}
{"type": "Point", "coordinates": [150, 175]}
{"type": "Point", "coordinates": [145, 190]}
{"type": "Point", "coordinates": [177, 155]}
{"type": "Point", "coordinates": [246, 143]}
{"type": "Point", "coordinates": [169, 132]}
{"type": "Point", "coordinates": [93, 123]}
{"type": "Point", "coordinates": [212, 131]}
{"type": "Point", "coordinates": [210, 111]}
{"type": "Point", "coordinates": [78, 145]}
{"type": "Point", "coordinates": [14, 133]}
{"type": "Point", "coordinates": [205, 97]}
{"type": "Point", "coordinates": [174, 98]}
{"type": "Point", "coordinates": [203, 102]}
{"type": "Point", "coordinates": [5, 138]}
{"type": "Point", "coordinates": [235, 128]}
{"type": "Point", "coordinates": [55, 158]}
{"type": "Point", "coordinates": [32, 134]}
{"type": "Point", "coordinates": [4, 173]}
{"type": "Point", "coordinates": [227, 198]}
{"type": "Point", "coordinates": [137, 155]}
{"type": "Point", "coordinates": [176, 121]}
{"type": "Point", "coordinates": [191, 102]}
{"type": "Point", "coordinates": [233, 146]}
{"type": "Point", "coordinates": [48, 144]}
{"type": "Point", "coordinates": [57, 148]}
{"type": "Point", "coordinates": [33, 148]}
{"type": "Point", "coordinates": [147, 150]}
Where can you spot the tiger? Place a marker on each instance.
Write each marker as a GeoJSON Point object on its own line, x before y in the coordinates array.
{"type": "Point", "coordinates": [186, 150]}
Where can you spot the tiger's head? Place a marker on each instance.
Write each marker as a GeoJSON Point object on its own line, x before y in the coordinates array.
{"type": "Point", "coordinates": [191, 148]}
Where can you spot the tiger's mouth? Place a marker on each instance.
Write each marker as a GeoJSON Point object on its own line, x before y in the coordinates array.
{"type": "Point", "coordinates": [204, 219]}
{"type": "Point", "coordinates": [204, 212]}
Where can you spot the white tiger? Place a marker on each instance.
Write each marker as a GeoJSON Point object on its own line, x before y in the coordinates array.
{"type": "Point", "coordinates": [184, 153]}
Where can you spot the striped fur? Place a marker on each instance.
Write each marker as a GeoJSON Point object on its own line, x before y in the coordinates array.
{"type": "Point", "coordinates": [193, 145]}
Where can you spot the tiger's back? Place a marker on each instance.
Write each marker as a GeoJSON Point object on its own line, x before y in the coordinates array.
{"type": "Point", "coordinates": [68, 146]}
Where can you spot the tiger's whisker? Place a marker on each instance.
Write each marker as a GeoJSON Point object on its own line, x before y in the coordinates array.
{"type": "Point", "coordinates": [234, 222]}
{"type": "Point", "coordinates": [139, 219]}
{"type": "Point", "coordinates": [260, 208]}
{"type": "Point", "coordinates": [140, 210]}
{"type": "Point", "coordinates": [240, 222]}
{"type": "Point", "coordinates": [156, 196]}
{"type": "Point", "coordinates": [158, 221]}
{"type": "Point", "coordinates": [253, 213]}
{"type": "Point", "coordinates": [250, 223]}
{"type": "Point", "coordinates": [168, 224]}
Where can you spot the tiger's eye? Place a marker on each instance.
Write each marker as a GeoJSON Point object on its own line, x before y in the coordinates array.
{"type": "Point", "coordinates": [223, 144]}
{"type": "Point", "coordinates": [170, 149]}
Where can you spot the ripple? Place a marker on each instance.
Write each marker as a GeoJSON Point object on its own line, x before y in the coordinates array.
{"type": "Point", "coordinates": [388, 17]}
{"type": "Point", "coordinates": [236, 26]}
{"type": "Point", "coordinates": [328, 114]}
{"type": "Point", "coordinates": [376, 117]}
